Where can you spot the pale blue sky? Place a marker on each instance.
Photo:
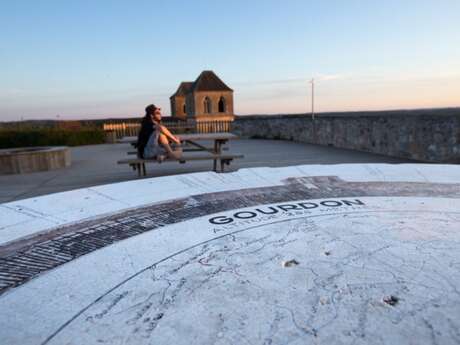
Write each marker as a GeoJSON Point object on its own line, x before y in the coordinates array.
{"type": "Point", "coordinates": [89, 59]}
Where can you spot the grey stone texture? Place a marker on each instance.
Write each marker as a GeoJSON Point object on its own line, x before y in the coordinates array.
{"type": "Point", "coordinates": [423, 135]}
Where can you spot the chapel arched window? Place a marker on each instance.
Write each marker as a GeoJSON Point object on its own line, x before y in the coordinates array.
{"type": "Point", "coordinates": [222, 105]}
{"type": "Point", "coordinates": [207, 105]}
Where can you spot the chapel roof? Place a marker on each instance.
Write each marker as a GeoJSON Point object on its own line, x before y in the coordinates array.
{"type": "Point", "coordinates": [209, 81]}
{"type": "Point", "coordinates": [184, 88]}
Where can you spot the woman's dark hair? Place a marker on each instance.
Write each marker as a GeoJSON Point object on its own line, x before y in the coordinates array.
{"type": "Point", "coordinates": [150, 109]}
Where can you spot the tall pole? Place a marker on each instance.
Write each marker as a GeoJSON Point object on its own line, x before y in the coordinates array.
{"type": "Point", "coordinates": [312, 98]}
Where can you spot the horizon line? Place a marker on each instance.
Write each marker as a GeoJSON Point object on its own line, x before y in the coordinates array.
{"type": "Point", "coordinates": [242, 115]}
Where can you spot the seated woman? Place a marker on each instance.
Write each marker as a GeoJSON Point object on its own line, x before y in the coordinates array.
{"type": "Point", "coordinates": [154, 138]}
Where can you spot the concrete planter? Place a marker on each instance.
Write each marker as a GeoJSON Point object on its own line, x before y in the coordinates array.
{"type": "Point", "coordinates": [26, 160]}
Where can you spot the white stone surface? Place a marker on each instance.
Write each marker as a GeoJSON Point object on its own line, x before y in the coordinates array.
{"type": "Point", "coordinates": [204, 283]}
{"type": "Point", "coordinates": [73, 206]}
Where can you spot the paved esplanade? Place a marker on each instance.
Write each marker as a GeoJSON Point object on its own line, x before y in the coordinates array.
{"type": "Point", "coordinates": [96, 165]}
{"type": "Point", "coordinates": [327, 254]}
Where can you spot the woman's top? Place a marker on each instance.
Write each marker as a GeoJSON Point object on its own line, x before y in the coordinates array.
{"type": "Point", "coordinates": [153, 147]}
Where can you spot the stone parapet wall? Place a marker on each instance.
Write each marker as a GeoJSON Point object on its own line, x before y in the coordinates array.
{"type": "Point", "coordinates": [425, 135]}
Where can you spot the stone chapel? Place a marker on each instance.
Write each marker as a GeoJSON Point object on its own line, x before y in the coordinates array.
{"type": "Point", "coordinates": [208, 98]}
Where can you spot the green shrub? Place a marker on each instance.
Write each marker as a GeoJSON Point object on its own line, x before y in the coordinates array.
{"type": "Point", "coordinates": [50, 137]}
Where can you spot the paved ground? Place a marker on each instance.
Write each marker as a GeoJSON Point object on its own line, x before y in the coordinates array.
{"type": "Point", "coordinates": [96, 165]}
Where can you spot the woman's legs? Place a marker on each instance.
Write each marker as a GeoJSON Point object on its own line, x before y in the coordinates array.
{"type": "Point", "coordinates": [176, 153]}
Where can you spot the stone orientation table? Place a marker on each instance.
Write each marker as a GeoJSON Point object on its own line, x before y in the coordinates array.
{"type": "Point", "coordinates": [311, 254]}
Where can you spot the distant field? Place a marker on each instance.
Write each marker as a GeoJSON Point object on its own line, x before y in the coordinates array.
{"type": "Point", "coordinates": [10, 138]}
{"type": "Point", "coordinates": [66, 124]}
{"type": "Point", "coordinates": [402, 112]}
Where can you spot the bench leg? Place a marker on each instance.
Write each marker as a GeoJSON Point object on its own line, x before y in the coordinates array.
{"type": "Point", "coordinates": [224, 162]}
{"type": "Point", "coordinates": [215, 151]}
{"type": "Point", "coordinates": [144, 172]}
{"type": "Point", "coordinates": [139, 172]}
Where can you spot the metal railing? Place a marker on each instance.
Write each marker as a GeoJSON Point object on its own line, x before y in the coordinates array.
{"type": "Point", "coordinates": [128, 129]}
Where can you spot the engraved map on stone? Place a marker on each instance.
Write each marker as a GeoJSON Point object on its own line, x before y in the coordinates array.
{"type": "Point", "coordinates": [291, 257]}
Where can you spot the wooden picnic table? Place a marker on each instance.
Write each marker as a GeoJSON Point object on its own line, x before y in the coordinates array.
{"type": "Point", "coordinates": [219, 140]}
{"type": "Point", "coordinates": [192, 139]}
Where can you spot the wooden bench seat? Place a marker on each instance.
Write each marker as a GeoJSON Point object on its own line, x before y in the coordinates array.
{"type": "Point", "coordinates": [139, 163]}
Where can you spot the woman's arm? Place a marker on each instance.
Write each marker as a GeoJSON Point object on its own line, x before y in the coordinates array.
{"type": "Point", "coordinates": [168, 134]}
